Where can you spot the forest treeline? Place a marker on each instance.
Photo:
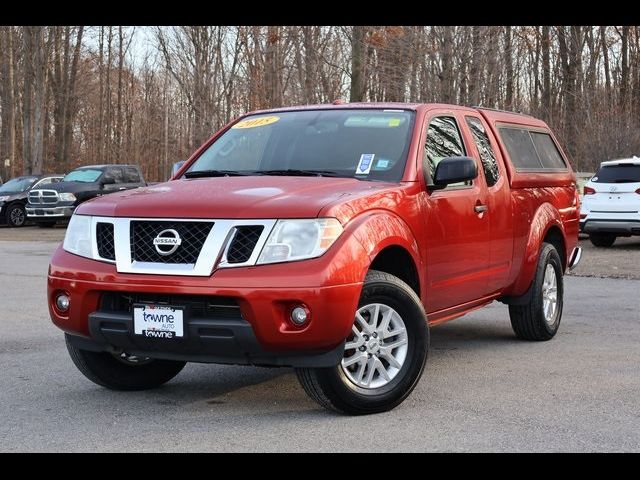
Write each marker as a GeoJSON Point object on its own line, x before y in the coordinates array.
{"type": "Point", "coordinates": [75, 95]}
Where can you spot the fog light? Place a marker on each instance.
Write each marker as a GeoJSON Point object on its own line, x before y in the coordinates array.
{"type": "Point", "coordinates": [300, 315]}
{"type": "Point", "coordinates": [62, 302]}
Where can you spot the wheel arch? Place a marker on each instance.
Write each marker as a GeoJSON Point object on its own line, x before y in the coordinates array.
{"type": "Point", "coordinates": [391, 247]}
{"type": "Point", "coordinates": [546, 226]}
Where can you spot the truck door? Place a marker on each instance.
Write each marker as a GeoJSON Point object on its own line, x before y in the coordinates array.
{"type": "Point", "coordinates": [457, 227]}
{"type": "Point", "coordinates": [499, 208]}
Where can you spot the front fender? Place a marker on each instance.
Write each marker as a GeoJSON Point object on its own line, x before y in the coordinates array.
{"type": "Point", "coordinates": [543, 219]}
{"type": "Point", "coordinates": [379, 229]}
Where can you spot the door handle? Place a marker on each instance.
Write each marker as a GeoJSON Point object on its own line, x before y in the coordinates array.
{"type": "Point", "coordinates": [480, 208]}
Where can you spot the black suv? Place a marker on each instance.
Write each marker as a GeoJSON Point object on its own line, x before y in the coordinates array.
{"type": "Point", "coordinates": [13, 196]}
{"type": "Point", "coordinates": [57, 202]}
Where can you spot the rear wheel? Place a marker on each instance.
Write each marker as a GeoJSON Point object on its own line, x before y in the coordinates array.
{"type": "Point", "coordinates": [540, 318]}
{"type": "Point", "coordinates": [602, 239]}
{"type": "Point", "coordinates": [384, 356]}
{"type": "Point", "coordinates": [16, 215]}
{"type": "Point", "coordinates": [123, 371]}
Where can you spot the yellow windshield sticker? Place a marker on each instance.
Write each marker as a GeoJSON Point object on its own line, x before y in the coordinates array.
{"type": "Point", "coordinates": [256, 122]}
{"type": "Point", "coordinates": [394, 122]}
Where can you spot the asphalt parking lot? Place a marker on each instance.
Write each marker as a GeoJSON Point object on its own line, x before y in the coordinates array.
{"type": "Point", "coordinates": [483, 390]}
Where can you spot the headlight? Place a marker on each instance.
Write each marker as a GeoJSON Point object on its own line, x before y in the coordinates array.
{"type": "Point", "coordinates": [67, 197]}
{"type": "Point", "coordinates": [78, 237]}
{"type": "Point", "coordinates": [300, 239]}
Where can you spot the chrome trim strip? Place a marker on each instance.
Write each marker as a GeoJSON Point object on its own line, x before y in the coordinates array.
{"type": "Point", "coordinates": [49, 211]}
{"type": "Point", "coordinates": [576, 255]}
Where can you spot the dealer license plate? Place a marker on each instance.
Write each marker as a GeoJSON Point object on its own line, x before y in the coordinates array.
{"type": "Point", "coordinates": [158, 321]}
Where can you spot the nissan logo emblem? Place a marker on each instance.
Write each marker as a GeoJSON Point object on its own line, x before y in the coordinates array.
{"type": "Point", "coordinates": [167, 242]}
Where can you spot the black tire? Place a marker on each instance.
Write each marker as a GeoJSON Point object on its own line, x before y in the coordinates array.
{"type": "Point", "coordinates": [16, 215]}
{"type": "Point", "coordinates": [104, 369]}
{"type": "Point", "coordinates": [602, 239]}
{"type": "Point", "coordinates": [332, 389]}
{"type": "Point", "coordinates": [528, 321]}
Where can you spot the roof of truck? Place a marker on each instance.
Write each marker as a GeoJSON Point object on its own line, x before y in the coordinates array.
{"type": "Point", "coordinates": [502, 116]}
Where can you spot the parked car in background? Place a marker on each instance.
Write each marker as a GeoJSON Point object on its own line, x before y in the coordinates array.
{"type": "Point", "coordinates": [611, 202]}
{"type": "Point", "coordinates": [48, 205]}
{"type": "Point", "coordinates": [13, 196]}
{"type": "Point", "coordinates": [326, 238]}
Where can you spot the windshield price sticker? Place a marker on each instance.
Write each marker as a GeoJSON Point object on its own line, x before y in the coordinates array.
{"type": "Point", "coordinates": [365, 164]}
{"type": "Point", "coordinates": [256, 122]}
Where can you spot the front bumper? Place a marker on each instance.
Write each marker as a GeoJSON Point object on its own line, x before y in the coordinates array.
{"type": "Point", "coordinates": [619, 227]}
{"type": "Point", "coordinates": [48, 213]}
{"type": "Point", "coordinates": [263, 335]}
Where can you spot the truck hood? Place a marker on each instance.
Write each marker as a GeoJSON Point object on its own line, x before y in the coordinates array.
{"type": "Point", "coordinates": [72, 187]}
{"type": "Point", "coordinates": [235, 197]}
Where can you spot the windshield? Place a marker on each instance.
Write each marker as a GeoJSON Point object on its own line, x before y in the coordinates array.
{"type": "Point", "coordinates": [364, 144]}
{"type": "Point", "coordinates": [87, 175]}
{"type": "Point", "coordinates": [19, 184]}
{"type": "Point", "coordinates": [622, 173]}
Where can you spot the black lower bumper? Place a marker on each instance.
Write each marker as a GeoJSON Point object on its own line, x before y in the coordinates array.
{"type": "Point", "coordinates": [229, 341]}
{"type": "Point", "coordinates": [619, 227]}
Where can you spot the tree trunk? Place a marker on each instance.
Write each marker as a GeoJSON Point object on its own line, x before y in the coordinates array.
{"type": "Point", "coordinates": [546, 71]}
{"type": "Point", "coordinates": [7, 103]}
{"type": "Point", "coordinates": [358, 64]}
{"type": "Point", "coordinates": [475, 71]}
{"type": "Point", "coordinates": [39, 68]}
{"type": "Point", "coordinates": [508, 101]}
{"type": "Point", "coordinates": [446, 75]}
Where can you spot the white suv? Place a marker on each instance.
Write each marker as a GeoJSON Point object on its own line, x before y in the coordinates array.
{"type": "Point", "coordinates": [611, 202]}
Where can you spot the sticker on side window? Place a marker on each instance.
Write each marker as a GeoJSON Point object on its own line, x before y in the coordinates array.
{"type": "Point", "coordinates": [365, 164]}
{"type": "Point", "coordinates": [256, 122]}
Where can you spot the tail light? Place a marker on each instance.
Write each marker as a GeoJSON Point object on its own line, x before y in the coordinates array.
{"type": "Point", "coordinates": [590, 191]}
{"type": "Point", "coordinates": [638, 191]}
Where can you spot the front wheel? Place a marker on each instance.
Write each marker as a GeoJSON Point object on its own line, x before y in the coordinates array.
{"type": "Point", "coordinates": [16, 215]}
{"type": "Point", "coordinates": [540, 318]}
{"type": "Point", "coordinates": [122, 371]}
{"type": "Point", "coordinates": [384, 356]}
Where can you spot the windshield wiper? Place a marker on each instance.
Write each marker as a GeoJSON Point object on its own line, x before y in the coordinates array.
{"type": "Point", "coordinates": [300, 173]}
{"type": "Point", "coordinates": [216, 173]}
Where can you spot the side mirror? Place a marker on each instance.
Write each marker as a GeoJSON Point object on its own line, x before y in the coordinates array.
{"type": "Point", "coordinates": [176, 166]}
{"type": "Point", "coordinates": [107, 181]}
{"type": "Point", "coordinates": [453, 170]}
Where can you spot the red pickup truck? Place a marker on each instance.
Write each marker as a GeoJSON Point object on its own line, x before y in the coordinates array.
{"type": "Point", "coordinates": [326, 238]}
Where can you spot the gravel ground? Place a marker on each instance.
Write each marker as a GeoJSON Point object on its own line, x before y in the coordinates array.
{"type": "Point", "coordinates": [483, 390]}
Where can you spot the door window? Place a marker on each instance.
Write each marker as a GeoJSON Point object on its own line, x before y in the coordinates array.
{"type": "Point", "coordinates": [443, 140]}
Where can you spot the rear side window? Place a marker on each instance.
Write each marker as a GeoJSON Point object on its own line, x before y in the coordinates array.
{"type": "Point", "coordinates": [547, 150]}
{"type": "Point", "coordinates": [531, 150]}
{"type": "Point", "coordinates": [623, 173]}
{"type": "Point", "coordinates": [487, 155]}
{"type": "Point", "coordinates": [131, 175]}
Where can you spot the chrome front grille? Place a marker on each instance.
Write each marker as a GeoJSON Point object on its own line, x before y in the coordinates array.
{"type": "Point", "coordinates": [192, 236]}
{"type": "Point", "coordinates": [178, 246]}
{"type": "Point", "coordinates": [43, 197]}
